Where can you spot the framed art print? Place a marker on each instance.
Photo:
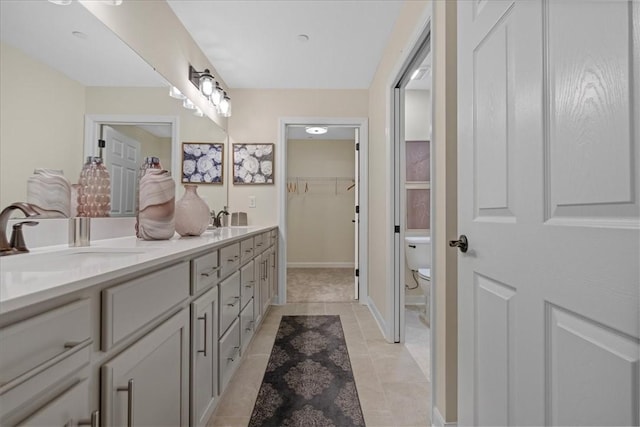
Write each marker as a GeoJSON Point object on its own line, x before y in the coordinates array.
{"type": "Point", "coordinates": [202, 163]}
{"type": "Point", "coordinates": [253, 163]}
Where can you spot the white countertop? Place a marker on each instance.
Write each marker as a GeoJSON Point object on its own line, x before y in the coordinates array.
{"type": "Point", "coordinates": [53, 271]}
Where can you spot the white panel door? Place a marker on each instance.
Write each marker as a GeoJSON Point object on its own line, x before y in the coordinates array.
{"type": "Point", "coordinates": [356, 215]}
{"type": "Point", "coordinates": [123, 160]}
{"type": "Point", "coordinates": [548, 158]}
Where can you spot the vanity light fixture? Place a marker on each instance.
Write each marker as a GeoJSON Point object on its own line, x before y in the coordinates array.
{"type": "Point", "coordinates": [203, 80]}
{"type": "Point", "coordinates": [217, 95]}
{"type": "Point", "coordinates": [188, 104]}
{"type": "Point", "coordinates": [316, 130]}
{"type": "Point", "coordinates": [224, 108]}
{"type": "Point", "coordinates": [174, 92]}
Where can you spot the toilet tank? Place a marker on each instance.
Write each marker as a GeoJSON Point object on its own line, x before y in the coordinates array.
{"type": "Point", "coordinates": [417, 251]}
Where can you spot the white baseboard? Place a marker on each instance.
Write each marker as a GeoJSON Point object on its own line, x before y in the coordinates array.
{"type": "Point", "coordinates": [414, 299]}
{"type": "Point", "coordinates": [438, 420]}
{"type": "Point", "coordinates": [378, 317]}
{"type": "Point", "coordinates": [320, 265]}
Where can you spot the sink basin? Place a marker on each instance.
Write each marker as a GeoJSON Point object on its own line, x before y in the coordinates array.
{"type": "Point", "coordinates": [68, 258]}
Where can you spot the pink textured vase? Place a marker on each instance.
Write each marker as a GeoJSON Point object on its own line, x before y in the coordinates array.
{"type": "Point", "coordinates": [192, 213]}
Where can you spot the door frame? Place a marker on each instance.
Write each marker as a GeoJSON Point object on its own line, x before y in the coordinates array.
{"type": "Point", "coordinates": [362, 123]}
{"type": "Point", "coordinates": [92, 123]}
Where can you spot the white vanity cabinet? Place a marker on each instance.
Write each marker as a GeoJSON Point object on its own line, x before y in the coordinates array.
{"type": "Point", "coordinates": [152, 344]}
{"type": "Point", "coordinates": [204, 357]}
{"type": "Point", "coordinates": [42, 358]}
{"type": "Point", "coordinates": [148, 383]}
{"type": "Point", "coordinates": [68, 409]}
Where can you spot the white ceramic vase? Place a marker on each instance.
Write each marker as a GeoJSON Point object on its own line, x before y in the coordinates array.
{"type": "Point", "coordinates": [156, 219]}
{"type": "Point", "coordinates": [192, 213]}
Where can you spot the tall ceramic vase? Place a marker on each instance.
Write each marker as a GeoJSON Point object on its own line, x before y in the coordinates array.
{"type": "Point", "coordinates": [157, 205]}
{"type": "Point", "coordinates": [192, 213]}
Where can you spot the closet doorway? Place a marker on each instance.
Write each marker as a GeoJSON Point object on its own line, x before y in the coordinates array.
{"type": "Point", "coordinates": [320, 217]}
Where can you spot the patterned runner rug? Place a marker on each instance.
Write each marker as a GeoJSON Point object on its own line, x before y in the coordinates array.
{"type": "Point", "coordinates": [308, 381]}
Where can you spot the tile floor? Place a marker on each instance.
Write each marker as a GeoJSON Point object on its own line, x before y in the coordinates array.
{"type": "Point", "coordinates": [392, 387]}
{"type": "Point", "coordinates": [417, 338]}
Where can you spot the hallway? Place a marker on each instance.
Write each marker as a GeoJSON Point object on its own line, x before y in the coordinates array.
{"type": "Point", "coordinates": [392, 388]}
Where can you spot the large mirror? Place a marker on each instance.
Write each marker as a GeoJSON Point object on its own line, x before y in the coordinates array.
{"type": "Point", "coordinates": [66, 81]}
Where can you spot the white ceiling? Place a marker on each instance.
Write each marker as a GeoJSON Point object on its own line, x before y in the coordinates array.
{"type": "Point", "coordinates": [253, 44]}
{"type": "Point", "coordinates": [43, 31]}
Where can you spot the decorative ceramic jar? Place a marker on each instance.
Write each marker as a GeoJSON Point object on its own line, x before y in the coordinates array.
{"type": "Point", "coordinates": [157, 205]}
{"type": "Point", "coordinates": [149, 163]}
{"type": "Point", "coordinates": [94, 193]}
{"type": "Point", "coordinates": [51, 191]}
{"type": "Point", "coordinates": [192, 213]}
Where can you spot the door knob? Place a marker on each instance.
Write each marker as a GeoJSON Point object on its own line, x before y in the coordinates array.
{"type": "Point", "coordinates": [462, 243]}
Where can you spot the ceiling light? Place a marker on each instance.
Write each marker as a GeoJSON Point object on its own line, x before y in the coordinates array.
{"type": "Point", "coordinates": [316, 130]}
{"type": "Point", "coordinates": [60, 2]}
{"type": "Point", "coordinates": [420, 73]}
{"type": "Point", "coordinates": [174, 92]}
{"type": "Point", "coordinates": [188, 104]}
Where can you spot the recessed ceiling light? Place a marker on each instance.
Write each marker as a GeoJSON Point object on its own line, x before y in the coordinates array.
{"type": "Point", "coordinates": [420, 73]}
{"type": "Point", "coordinates": [316, 130]}
{"type": "Point", "coordinates": [303, 38]}
{"type": "Point", "coordinates": [79, 34]}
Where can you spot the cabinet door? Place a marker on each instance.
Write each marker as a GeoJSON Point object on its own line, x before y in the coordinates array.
{"type": "Point", "coordinates": [265, 298]}
{"type": "Point", "coordinates": [68, 409]}
{"type": "Point", "coordinates": [147, 384]}
{"type": "Point", "coordinates": [204, 357]}
{"type": "Point", "coordinates": [247, 284]}
{"type": "Point", "coordinates": [273, 276]}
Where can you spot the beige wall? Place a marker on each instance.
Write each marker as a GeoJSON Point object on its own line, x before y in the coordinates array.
{"type": "Point", "coordinates": [380, 284]}
{"type": "Point", "coordinates": [156, 101]}
{"type": "Point", "coordinates": [445, 219]}
{"type": "Point", "coordinates": [256, 114]}
{"type": "Point", "coordinates": [319, 213]}
{"type": "Point", "coordinates": [150, 145]}
{"type": "Point", "coordinates": [417, 105]}
{"type": "Point", "coordinates": [41, 122]}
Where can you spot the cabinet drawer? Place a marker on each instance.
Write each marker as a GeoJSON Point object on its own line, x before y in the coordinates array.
{"type": "Point", "coordinates": [247, 326]}
{"type": "Point", "coordinates": [229, 301]}
{"type": "Point", "coordinates": [229, 354]}
{"type": "Point", "coordinates": [246, 250]}
{"type": "Point", "coordinates": [33, 391]}
{"type": "Point", "coordinates": [204, 272]}
{"type": "Point", "coordinates": [34, 344]}
{"type": "Point", "coordinates": [70, 407]}
{"type": "Point", "coordinates": [131, 305]}
{"type": "Point", "coordinates": [247, 283]}
{"type": "Point", "coordinates": [260, 243]}
{"type": "Point", "coordinates": [229, 259]}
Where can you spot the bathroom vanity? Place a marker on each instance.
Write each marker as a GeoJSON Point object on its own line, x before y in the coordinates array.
{"type": "Point", "coordinates": [130, 332]}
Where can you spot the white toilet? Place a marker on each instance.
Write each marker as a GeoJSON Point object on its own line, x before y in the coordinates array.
{"type": "Point", "coordinates": [418, 256]}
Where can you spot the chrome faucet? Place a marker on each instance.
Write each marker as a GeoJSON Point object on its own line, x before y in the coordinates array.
{"type": "Point", "coordinates": [216, 220]}
{"type": "Point", "coordinates": [17, 241]}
